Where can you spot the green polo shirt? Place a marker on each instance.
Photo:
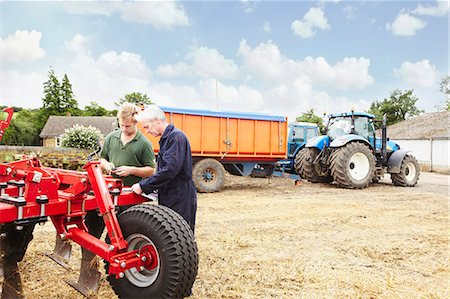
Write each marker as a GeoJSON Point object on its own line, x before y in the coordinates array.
{"type": "Point", "coordinates": [138, 152]}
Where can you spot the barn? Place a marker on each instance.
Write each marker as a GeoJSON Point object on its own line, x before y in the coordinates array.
{"type": "Point", "coordinates": [56, 125]}
{"type": "Point", "coordinates": [428, 138]}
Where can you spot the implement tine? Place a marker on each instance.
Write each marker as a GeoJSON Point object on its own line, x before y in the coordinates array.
{"type": "Point", "coordinates": [12, 283]}
{"type": "Point", "coordinates": [61, 252]}
{"type": "Point", "coordinates": [89, 280]}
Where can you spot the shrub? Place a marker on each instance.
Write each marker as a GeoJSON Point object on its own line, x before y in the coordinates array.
{"type": "Point", "coordinates": [81, 137]}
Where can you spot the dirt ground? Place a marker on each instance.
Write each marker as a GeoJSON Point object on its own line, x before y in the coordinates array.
{"type": "Point", "coordinates": [269, 239]}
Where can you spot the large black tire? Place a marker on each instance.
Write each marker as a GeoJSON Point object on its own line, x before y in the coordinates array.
{"type": "Point", "coordinates": [305, 167]}
{"type": "Point", "coordinates": [176, 249]}
{"type": "Point", "coordinates": [409, 173]}
{"type": "Point", "coordinates": [208, 175]}
{"type": "Point", "coordinates": [353, 165]}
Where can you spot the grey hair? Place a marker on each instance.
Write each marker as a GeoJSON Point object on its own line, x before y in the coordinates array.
{"type": "Point", "coordinates": [151, 112]}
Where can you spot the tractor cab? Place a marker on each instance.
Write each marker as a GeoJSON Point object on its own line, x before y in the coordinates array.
{"type": "Point", "coordinates": [356, 123]}
{"type": "Point", "coordinates": [298, 134]}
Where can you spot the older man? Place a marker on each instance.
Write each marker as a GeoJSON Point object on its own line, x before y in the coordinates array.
{"type": "Point", "coordinates": [173, 177]}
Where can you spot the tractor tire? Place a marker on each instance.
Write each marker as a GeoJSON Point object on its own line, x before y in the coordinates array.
{"type": "Point", "coordinates": [208, 175]}
{"type": "Point", "coordinates": [409, 173]}
{"type": "Point", "coordinates": [353, 166]}
{"type": "Point", "coordinates": [175, 247]}
{"type": "Point", "coordinates": [304, 165]}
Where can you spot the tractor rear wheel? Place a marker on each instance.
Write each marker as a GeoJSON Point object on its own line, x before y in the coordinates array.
{"type": "Point", "coordinates": [176, 264]}
{"type": "Point", "coordinates": [305, 166]}
{"type": "Point", "coordinates": [353, 165]}
{"type": "Point", "coordinates": [409, 173]}
{"type": "Point", "coordinates": [208, 175]}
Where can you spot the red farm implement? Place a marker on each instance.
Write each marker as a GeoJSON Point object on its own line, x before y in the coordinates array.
{"type": "Point", "coordinates": [149, 251]}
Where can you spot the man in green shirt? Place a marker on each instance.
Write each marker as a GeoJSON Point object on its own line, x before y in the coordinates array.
{"type": "Point", "coordinates": [127, 153]}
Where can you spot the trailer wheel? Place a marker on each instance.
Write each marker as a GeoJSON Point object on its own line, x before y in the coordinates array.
{"type": "Point", "coordinates": [353, 166]}
{"type": "Point", "coordinates": [305, 167]}
{"type": "Point", "coordinates": [409, 173]}
{"type": "Point", "coordinates": [208, 175]}
{"type": "Point", "coordinates": [176, 267]}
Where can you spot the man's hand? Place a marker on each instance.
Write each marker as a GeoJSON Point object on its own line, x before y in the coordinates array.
{"type": "Point", "coordinates": [123, 171]}
{"type": "Point", "coordinates": [136, 188]}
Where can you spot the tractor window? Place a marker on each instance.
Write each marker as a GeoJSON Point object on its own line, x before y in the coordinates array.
{"type": "Point", "coordinates": [310, 133]}
{"type": "Point", "coordinates": [298, 134]}
{"type": "Point", "coordinates": [363, 127]}
{"type": "Point", "coordinates": [339, 126]}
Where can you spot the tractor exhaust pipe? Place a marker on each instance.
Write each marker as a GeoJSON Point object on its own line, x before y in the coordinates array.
{"type": "Point", "coordinates": [384, 140]}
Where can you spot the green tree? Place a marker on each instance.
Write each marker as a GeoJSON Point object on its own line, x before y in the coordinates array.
{"type": "Point", "coordinates": [58, 98]}
{"type": "Point", "coordinates": [52, 94]}
{"type": "Point", "coordinates": [22, 130]}
{"type": "Point", "coordinates": [445, 85]}
{"type": "Point", "coordinates": [93, 109]}
{"type": "Point", "coordinates": [445, 89]}
{"type": "Point", "coordinates": [135, 98]}
{"type": "Point", "coordinates": [68, 102]}
{"type": "Point", "coordinates": [397, 107]}
{"type": "Point", "coordinates": [311, 117]}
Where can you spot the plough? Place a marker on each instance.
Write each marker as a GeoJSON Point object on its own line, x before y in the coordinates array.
{"type": "Point", "coordinates": [149, 251]}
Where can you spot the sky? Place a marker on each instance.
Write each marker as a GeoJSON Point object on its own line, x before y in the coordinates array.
{"type": "Point", "coordinates": [276, 57]}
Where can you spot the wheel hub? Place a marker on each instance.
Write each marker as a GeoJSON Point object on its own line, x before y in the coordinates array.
{"type": "Point", "coordinates": [359, 166]}
{"type": "Point", "coordinates": [147, 276]}
{"type": "Point", "coordinates": [410, 171]}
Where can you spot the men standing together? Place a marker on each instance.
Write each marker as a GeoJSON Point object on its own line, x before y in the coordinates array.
{"type": "Point", "coordinates": [127, 154]}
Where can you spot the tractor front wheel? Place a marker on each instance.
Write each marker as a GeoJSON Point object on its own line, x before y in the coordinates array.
{"type": "Point", "coordinates": [175, 264]}
{"type": "Point", "coordinates": [208, 175]}
{"type": "Point", "coordinates": [353, 166]}
{"type": "Point", "coordinates": [305, 166]}
{"type": "Point", "coordinates": [409, 173]}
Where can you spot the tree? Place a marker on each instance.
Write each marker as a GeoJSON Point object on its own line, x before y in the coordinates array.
{"type": "Point", "coordinates": [445, 85]}
{"type": "Point", "coordinates": [52, 94]}
{"type": "Point", "coordinates": [397, 107]}
{"type": "Point", "coordinates": [58, 98]}
{"type": "Point", "coordinates": [135, 98]}
{"type": "Point", "coordinates": [93, 109]}
{"type": "Point", "coordinates": [22, 129]}
{"type": "Point", "coordinates": [311, 117]}
{"type": "Point", "coordinates": [68, 102]}
{"type": "Point", "coordinates": [445, 89]}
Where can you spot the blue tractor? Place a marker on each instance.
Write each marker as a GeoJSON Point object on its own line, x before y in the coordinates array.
{"type": "Point", "coordinates": [351, 155]}
{"type": "Point", "coordinates": [298, 134]}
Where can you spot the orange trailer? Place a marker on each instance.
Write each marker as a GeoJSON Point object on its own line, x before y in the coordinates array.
{"type": "Point", "coordinates": [227, 140]}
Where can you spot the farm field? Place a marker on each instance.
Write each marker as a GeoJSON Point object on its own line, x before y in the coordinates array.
{"type": "Point", "coordinates": [261, 239]}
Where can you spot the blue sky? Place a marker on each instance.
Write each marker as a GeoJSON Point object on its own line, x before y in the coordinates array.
{"type": "Point", "coordinates": [277, 57]}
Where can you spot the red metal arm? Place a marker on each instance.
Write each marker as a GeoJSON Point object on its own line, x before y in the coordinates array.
{"type": "Point", "coordinates": [5, 123]}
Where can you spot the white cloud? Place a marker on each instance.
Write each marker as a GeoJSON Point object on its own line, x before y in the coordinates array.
{"type": "Point", "coordinates": [106, 78]}
{"type": "Point", "coordinates": [204, 63]}
{"type": "Point", "coordinates": [405, 25]}
{"type": "Point", "coordinates": [440, 10]}
{"type": "Point", "coordinates": [230, 97]}
{"type": "Point", "coordinates": [22, 46]}
{"type": "Point", "coordinates": [314, 18]}
{"type": "Point", "coordinates": [265, 62]}
{"type": "Point", "coordinates": [13, 92]}
{"type": "Point", "coordinates": [159, 14]}
{"type": "Point", "coordinates": [249, 6]}
{"type": "Point", "coordinates": [421, 73]}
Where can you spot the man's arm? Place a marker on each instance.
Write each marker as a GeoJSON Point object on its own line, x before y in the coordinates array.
{"type": "Point", "coordinates": [173, 159]}
{"type": "Point", "coordinates": [142, 172]}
